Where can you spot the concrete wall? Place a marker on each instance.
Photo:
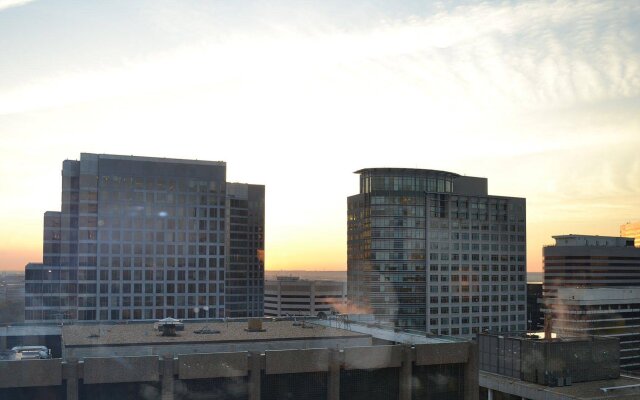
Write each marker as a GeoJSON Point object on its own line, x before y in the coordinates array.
{"type": "Point", "coordinates": [192, 348]}
{"type": "Point", "coordinates": [470, 185]}
{"type": "Point", "coordinates": [166, 374]}
{"type": "Point", "coordinates": [218, 365]}
{"type": "Point", "coordinates": [30, 373]}
{"type": "Point", "coordinates": [373, 357]}
{"type": "Point", "coordinates": [442, 353]}
{"type": "Point", "coordinates": [120, 369]}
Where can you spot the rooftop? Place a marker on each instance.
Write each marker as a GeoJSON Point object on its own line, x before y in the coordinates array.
{"type": "Point", "coordinates": [569, 295]}
{"type": "Point", "coordinates": [155, 159]}
{"type": "Point", "coordinates": [583, 390]}
{"type": "Point", "coordinates": [235, 331]}
{"type": "Point", "coordinates": [592, 240]}
{"type": "Point", "coordinates": [407, 171]}
{"type": "Point", "coordinates": [388, 334]}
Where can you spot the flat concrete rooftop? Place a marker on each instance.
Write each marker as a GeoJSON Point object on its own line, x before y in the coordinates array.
{"type": "Point", "coordinates": [29, 330]}
{"type": "Point", "coordinates": [583, 390]}
{"type": "Point", "coordinates": [388, 334]}
{"type": "Point", "coordinates": [83, 335]}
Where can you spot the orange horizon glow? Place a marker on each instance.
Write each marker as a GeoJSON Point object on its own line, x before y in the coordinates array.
{"type": "Point", "coordinates": [540, 98]}
{"type": "Point", "coordinates": [320, 258]}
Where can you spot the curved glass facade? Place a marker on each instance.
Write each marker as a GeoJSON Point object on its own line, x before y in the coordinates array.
{"type": "Point", "coordinates": [405, 180]}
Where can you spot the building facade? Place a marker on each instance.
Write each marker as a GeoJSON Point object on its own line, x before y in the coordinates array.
{"type": "Point", "coordinates": [432, 250]}
{"type": "Point", "coordinates": [535, 316]}
{"type": "Point", "coordinates": [523, 368]}
{"type": "Point", "coordinates": [145, 238]}
{"type": "Point", "coordinates": [11, 287]}
{"type": "Point", "coordinates": [292, 296]}
{"type": "Point", "coordinates": [244, 275]}
{"type": "Point", "coordinates": [631, 230]}
{"type": "Point", "coordinates": [590, 261]}
{"type": "Point", "coordinates": [610, 312]}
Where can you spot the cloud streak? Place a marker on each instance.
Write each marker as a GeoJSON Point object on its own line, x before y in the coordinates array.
{"type": "Point", "coordinates": [5, 4]}
{"type": "Point", "coordinates": [533, 55]}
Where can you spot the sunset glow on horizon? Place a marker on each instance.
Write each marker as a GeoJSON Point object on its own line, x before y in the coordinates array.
{"type": "Point", "coordinates": [540, 97]}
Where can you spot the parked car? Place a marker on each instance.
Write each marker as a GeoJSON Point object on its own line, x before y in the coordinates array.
{"type": "Point", "coordinates": [31, 352]}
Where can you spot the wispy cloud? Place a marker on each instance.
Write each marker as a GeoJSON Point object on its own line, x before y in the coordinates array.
{"type": "Point", "coordinates": [539, 96]}
{"type": "Point", "coordinates": [4, 4]}
{"type": "Point", "coordinates": [501, 56]}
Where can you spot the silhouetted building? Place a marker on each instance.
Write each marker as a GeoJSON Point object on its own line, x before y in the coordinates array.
{"type": "Point", "coordinates": [535, 317]}
{"type": "Point", "coordinates": [433, 250]}
{"type": "Point", "coordinates": [143, 238]}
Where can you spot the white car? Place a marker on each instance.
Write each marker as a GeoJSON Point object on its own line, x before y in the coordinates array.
{"type": "Point", "coordinates": [31, 352]}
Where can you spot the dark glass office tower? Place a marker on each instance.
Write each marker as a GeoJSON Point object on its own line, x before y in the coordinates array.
{"type": "Point", "coordinates": [431, 250]}
{"type": "Point", "coordinates": [139, 238]}
{"type": "Point", "coordinates": [245, 241]}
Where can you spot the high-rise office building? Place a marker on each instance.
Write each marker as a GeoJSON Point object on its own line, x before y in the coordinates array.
{"type": "Point", "coordinates": [144, 238]}
{"type": "Point", "coordinates": [244, 224]}
{"type": "Point", "coordinates": [590, 261]}
{"type": "Point", "coordinates": [433, 250]}
{"type": "Point", "coordinates": [631, 230]}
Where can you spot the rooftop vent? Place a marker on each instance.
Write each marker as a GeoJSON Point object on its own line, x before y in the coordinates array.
{"type": "Point", "coordinates": [169, 326]}
{"type": "Point", "coordinates": [254, 325]}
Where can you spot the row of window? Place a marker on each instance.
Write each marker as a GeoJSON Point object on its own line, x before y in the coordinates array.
{"type": "Point", "coordinates": [475, 320]}
{"type": "Point", "coordinates": [461, 202]}
{"type": "Point", "coordinates": [405, 183]}
{"type": "Point", "coordinates": [208, 286]}
{"type": "Point", "coordinates": [155, 183]}
{"type": "Point", "coordinates": [420, 255]}
{"type": "Point", "coordinates": [400, 288]}
{"type": "Point", "coordinates": [124, 301]}
{"type": "Point", "coordinates": [410, 267]}
{"type": "Point", "coordinates": [159, 223]}
{"type": "Point", "coordinates": [476, 278]}
{"type": "Point", "coordinates": [476, 288]}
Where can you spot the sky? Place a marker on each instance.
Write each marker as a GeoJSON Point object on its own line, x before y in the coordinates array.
{"type": "Point", "coordinates": [540, 97]}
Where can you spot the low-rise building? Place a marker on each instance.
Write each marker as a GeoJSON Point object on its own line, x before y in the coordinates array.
{"type": "Point", "coordinates": [513, 367]}
{"type": "Point", "coordinates": [611, 312]}
{"type": "Point", "coordinates": [321, 359]}
{"type": "Point", "coordinates": [289, 296]}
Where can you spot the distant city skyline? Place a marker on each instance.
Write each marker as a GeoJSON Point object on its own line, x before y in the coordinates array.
{"type": "Point", "coordinates": [540, 96]}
